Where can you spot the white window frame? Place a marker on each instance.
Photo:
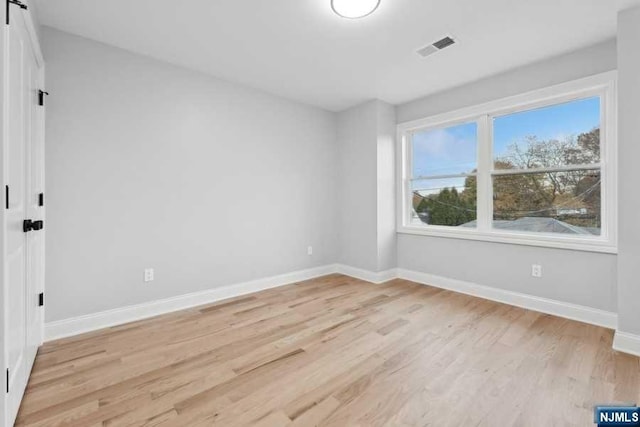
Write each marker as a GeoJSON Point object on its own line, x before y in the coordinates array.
{"type": "Point", "coordinates": [602, 85]}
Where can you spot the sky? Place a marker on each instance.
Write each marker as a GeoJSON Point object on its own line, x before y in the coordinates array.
{"type": "Point", "coordinates": [453, 150]}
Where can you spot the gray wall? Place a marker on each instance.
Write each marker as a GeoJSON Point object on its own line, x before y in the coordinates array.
{"type": "Point", "coordinates": [629, 153]}
{"type": "Point", "coordinates": [33, 10]}
{"type": "Point", "coordinates": [583, 278]}
{"type": "Point", "coordinates": [586, 62]}
{"type": "Point", "coordinates": [577, 277]}
{"type": "Point", "coordinates": [357, 135]}
{"type": "Point", "coordinates": [366, 135]}
{"type": "Point", "coordinates": [210, 183]}
{"type": "Point", "coordinates": [150, 165]}
{"type": "Point", "coordinates": [386, 183]}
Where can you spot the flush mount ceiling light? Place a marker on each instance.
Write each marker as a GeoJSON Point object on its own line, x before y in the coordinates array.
{"type": "Point", "coordinates": [354, 9]}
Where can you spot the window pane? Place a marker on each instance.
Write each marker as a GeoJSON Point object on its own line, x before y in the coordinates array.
{"type": "Point", "coordinates": [556, 202]}
{"type": "Point", "coordinates": [559, 135]}
{"type": "Point", "coordinates": [450, 202]}
{"type": "Point", "coordinates": [445, 151]}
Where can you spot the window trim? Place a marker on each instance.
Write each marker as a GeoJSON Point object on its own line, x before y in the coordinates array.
{"type": "Point", "coordinates": [602, 85]}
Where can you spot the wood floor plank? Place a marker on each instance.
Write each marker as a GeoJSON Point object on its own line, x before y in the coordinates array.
{"type": "Point", "coordinates": [333, 351]}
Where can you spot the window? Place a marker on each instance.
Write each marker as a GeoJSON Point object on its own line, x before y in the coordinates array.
{"type": "Point", "coordinates": [547, 169]}
{"type": "Point", "coordinates": [444, 167]}
{"type": "Point", "coordinates": [536, 169]}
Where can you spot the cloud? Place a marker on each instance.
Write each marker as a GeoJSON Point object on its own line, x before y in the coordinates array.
{"type": "Point", "coordinates": [445, 151]}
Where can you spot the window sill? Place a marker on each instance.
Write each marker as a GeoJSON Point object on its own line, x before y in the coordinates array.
{"type": "Point", "coordinates": [526, 239]}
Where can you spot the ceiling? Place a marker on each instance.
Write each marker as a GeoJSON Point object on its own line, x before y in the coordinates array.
{"type": "Point", "coordinates": [301, 50]}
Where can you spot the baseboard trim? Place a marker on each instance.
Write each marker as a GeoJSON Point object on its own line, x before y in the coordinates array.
{"type": "Point", "coordinates": [92, 322]}
{"type": "Point", "coordinates": [366, 275]}
{"type": "Point", "coordinates": [548, 306]}
{"type": "Point", "coordinates": [627, 343]}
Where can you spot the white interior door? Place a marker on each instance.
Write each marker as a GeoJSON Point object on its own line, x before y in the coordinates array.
{"type": "Point", "coordinates": [34, 201]}
{"type": "Point", "coordinates": [24, 250]}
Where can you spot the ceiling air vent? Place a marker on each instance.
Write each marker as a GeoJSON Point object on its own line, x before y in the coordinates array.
{"type": "Point", "coordinates": [434, 47]}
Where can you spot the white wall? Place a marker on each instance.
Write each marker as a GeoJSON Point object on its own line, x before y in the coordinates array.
{"type": "Point", "coordinates": [3, 182]}
{"type": "Point", "coordinates": [366, 135]}
{"type": "Point", "coordinates": [629, 146]}
{"type": "Point", "coordinates": [583, 278]}
{"type": "Point", "coordinates": [150, 165]}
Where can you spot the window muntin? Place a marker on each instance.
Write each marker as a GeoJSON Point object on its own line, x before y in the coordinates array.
{"type": "Point", "coordinates": [585, 201]}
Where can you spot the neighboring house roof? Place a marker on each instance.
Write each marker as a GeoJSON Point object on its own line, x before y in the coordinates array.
{"type": "Point", "coordinates": [417, 199]}
{"type": "Point", "coordinates": [540, 225]}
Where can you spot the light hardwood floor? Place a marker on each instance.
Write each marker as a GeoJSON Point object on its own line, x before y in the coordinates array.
{"type": "Point", "coordinates": [334, 351]}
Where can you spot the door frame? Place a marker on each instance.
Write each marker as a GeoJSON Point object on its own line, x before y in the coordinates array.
{"type": "Point", "coordinates": [31, 24]}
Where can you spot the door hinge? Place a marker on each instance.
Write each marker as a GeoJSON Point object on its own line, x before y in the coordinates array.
{"type": "Point", "coordinates": [41, 199]}
{"type": "Point", "coordinates": [6, 197]}
{"type": "Point", "coordinates": [41, 94]}
{"type": "Point", "coordinates": [7, 380]}
{"type": "Point", "coordinates": [41, 299]}
{"type": "Point", "coordinates": [30, 225]}
{"type": "Point", "coordinates": [17, 3]}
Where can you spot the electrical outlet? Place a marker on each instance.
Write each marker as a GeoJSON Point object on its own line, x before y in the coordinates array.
{"type": "Point", "coordinates": [148, 274]}
{"type": "Point", "coordinates": [310, 250]}
{"type": "Point", "coordinates": [536, 270]}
